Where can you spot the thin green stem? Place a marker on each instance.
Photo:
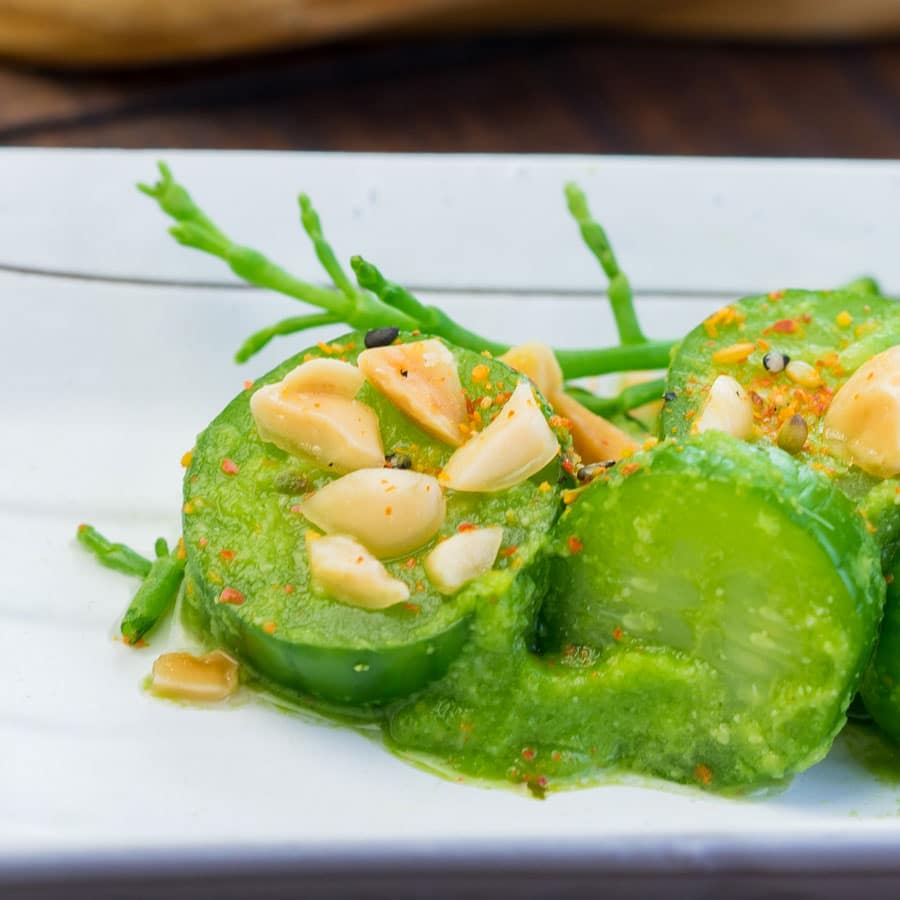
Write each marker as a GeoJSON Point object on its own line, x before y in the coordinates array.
{"type": "Point", "coordinates": [632, 397]}
{"type": "Point", "coordinates": [312, 225]}
{"type": "Point", "coordinates": [627, 358]}
{"type": "Point", "coordinates": [155, 597]}
{"type": "Point", "coordinates": [431, 319]}
{"type": "Point", "coordinates": [261, 338]}
{"type": "Point", "coordinates": [620, 294]}
{"type": "Point", "coordinates": [113, 555]}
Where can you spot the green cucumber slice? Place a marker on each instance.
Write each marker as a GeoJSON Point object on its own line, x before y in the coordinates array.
{"type": "Point", "coordinates": [243, 532]}
{"type": "Point", "coordinates": [708, 618]}
{"type": "Point", "coordinates": [834, 331]}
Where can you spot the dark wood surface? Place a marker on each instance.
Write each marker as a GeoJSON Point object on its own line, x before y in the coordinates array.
{"type": "Point", "coordinates": [557, 93]}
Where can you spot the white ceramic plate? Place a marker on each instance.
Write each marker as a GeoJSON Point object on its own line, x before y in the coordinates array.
{"type": "Point", "coordinates": [116, 349]}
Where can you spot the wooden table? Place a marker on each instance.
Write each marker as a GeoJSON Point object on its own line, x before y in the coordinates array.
{"type": "Point", "coordinates": [557, 93]}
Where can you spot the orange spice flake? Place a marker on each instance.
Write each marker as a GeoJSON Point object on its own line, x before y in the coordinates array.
{"type": "Point", "coordinates": [508, 551]}
{"type": "Point", "coordinates": [528, 754]}
{"type": "Point", "coordinates": [630, 469]}
{"type": "Point", "coordinates": [388, 510]}
{"type": "Point", "coordinates": [248, 385]}
{"type": "Point", "coordinates": [410, 563]}
{"type": "Point", "coordinates": [575, 545]}
{"type": "Point", "coordinates": [617, 633]}
{"type": "Point", "coordinates": [775, 295]}
{"type": "Point", "coordinates": [230, 467]}
{"type": "Point", "coordinates": [722, 318]}
{"type": "Point", "coordinates": [231, 595]}
{"type": "Point", "coordinates": [269, 627]}
{"type": "Point", "coordinates": [783, 326]}
{"type": "Point", "coordinates": [226, 555]}
{"type": "Point", "coordinates": [568, 466]}
{"type": "Point", "coordinates": [560, 422]}
{"type": "Point", "coordinates": [735, 353]}
{"type": "Point", "coordinates": [480, 372]}
{"type": "Point", "coordinates": [414, 608]}
{"type": "Point", "coordinates": [466, 526]}
{"type": "Point", "coordinates": [289, 589]}
{"type": "Point", "coordinates": [703, 774]}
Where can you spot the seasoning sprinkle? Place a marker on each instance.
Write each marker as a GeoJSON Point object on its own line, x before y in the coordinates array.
{"type": "Point", "coordinates": [803, 374]}
{"type": "Point", "coordinates": [380, 337]}
{"type": "Point", "coordinates": [398, 461]}
{"type": "Point", "coordinates": [735, 353]}
{"type": "Point", "coordinates": [775, 362]}
{"type": "Point", "coordinates": [592, 470]}
{"type": "Point", "coordinates": [230, 467]}
{"type": "Point", "coordinates": [231, 595]}
{"type": "Point", "coordinates": [792, 434]}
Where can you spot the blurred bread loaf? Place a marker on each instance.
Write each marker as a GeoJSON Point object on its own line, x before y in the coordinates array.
{"type": "Point", "coordinates": [135, 32]}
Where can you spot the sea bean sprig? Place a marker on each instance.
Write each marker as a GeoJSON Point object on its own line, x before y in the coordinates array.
{"type": "Point", "coordinates": [377, 302]}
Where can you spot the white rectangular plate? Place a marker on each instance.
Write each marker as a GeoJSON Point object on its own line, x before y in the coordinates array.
{"type": "Point", "coordinates": [116, 350]}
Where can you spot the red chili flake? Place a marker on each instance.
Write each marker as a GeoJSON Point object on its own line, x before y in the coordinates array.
{"type": "Point", "coordinates": [630, 469]}
{"type": "Point", "coordinates": [410, 563]}
{"type": "Point", "coordinates": [466, 526]}
{"type": "Point", "coordinates": [470, 406]}
{"type": "Point", "coordinates": [568, 466]}
{"type": "Point", "coordinates": [230, 467]}
{"type": "Point", "coordinates": [269, 627]}
{"type": "Point", "coordinates": [289, 589]}
{"type": "Point", "coordinates": [703, 774]}
{"type": "Point", "coordinates": [508, 551]}
{"type": "Point", "coordinates": [231, 595]}
{"type": "Point", "coordinates": [776, 295]}
{"type": "Point", "coordinates": [575, 546]}
{"type": "Point", "coordinates": [248, 385]}
{"type": "Point", "coordinates": [617, 633]}
{"type": "Point", "coordinates": [782, 326]}
{"type": "Point", "coordinates": [528, 754]}
{"type": "Point", "coordinates": [227, 555]}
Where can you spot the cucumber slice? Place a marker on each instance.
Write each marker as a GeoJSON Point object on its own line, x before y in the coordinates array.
{"type": "Point", "coordinates": [833, 331]}
{"type": "Point", "coordinates": [245, 536]}
{"type": "Point", "coordinates": [707, 621]}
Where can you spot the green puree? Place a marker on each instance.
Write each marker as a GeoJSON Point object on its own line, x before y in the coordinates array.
{"type": "Point", "coordinates": [243, 533]}
{"type": "Point", "coordinates": [703, 612]}
{"type": "Point", "coordinates": [708, 619]}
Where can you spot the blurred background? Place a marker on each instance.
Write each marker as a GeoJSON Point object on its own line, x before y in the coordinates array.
{"type": "Point", "coordinates": [772, 77]}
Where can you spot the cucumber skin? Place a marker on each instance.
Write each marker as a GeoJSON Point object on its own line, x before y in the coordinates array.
{"type": "Point", "coordinates": [351, 677]}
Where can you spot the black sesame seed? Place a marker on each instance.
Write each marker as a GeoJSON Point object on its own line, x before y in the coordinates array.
{"type": "Point", "coordinates": [669, 396]}
{"type": "Point", "coordinates": [398, 461]}
{"type": "Point", "coordinates": [404, 373]}
{"type": "Point", "coordinates": [381, 337]}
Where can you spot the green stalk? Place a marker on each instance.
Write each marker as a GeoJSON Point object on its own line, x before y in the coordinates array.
{"type": "Point", "coordinates": [431, 319]}
{"type": "Point", "coordinates": [155, 597]}
{"type": "Point", "coordinates": [114, 556]}
{"type": "Point", "coordinates": [619, 291]}
{"type": "Point", "coordinates": [627, 358]}
{"type": "Point", "coordinates": [381, 303]}
{"type": "Point", "coordinates": [628, 399]}
{"type": "Point", "coordinates": [261, 338]}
